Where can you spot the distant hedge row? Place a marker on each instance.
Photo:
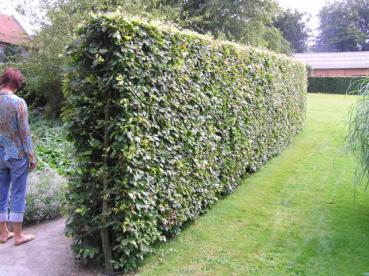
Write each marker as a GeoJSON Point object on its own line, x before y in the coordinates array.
{"type": "Point", "coordinates": [338, 85]}
{"type": "Point", "coordinates": [166, 123]}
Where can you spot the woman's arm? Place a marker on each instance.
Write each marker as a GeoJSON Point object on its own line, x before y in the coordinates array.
{"type": "Point", "coordinates": [25, 132]}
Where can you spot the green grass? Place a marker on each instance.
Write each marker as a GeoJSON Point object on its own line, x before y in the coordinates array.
{"type": "Point", "coordinates": [297, 216]}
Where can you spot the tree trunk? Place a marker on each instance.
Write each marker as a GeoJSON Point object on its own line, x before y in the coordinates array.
{"type": "Point", "coordinates": [105, 235]}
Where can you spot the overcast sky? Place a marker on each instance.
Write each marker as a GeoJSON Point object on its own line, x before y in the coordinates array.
{"type": "Point", "coordinates": [310, 6]}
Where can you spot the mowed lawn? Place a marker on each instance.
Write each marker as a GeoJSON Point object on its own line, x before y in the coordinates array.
{"type": "Point", "coordinates": [297, 216]}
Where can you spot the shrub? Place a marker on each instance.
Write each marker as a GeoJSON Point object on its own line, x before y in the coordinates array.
{"type": "Point", "coordinates": [12, 53]}
{"type": "Point", "coordinates": [339, 85]}
{"type": "Point", "coordinates": [53, 150]}
{"type": "Point", "coordinates": [45, 196]}
{"type": "Point", "coordinates": [165, 123]}
{"type": "Point", "coordinates": [359, 132]}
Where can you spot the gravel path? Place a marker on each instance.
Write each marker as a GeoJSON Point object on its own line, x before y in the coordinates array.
{"type": "Point", "coordinates": [48, 255]}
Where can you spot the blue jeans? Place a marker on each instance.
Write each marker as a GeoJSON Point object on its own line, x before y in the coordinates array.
{"type": "Point", "coordinates": [14, 171]}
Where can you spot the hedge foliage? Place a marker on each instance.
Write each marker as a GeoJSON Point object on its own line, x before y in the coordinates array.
{"type": "Point", "coordinates": [165, 123]}
{"type": "Point", "coordinates": [336, 85]}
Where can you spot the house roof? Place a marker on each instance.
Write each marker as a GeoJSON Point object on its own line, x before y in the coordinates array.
{"type": "Point", "coordinates": [11, 31]}
{"type": "Point", "coordinates": [341, 60]}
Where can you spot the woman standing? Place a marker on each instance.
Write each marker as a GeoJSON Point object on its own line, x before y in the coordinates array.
{"type": "Point", "coordinates": [17, 157]}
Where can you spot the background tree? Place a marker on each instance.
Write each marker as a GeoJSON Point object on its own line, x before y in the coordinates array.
{"type": "Point", "coordinates": [362, 10]}
{"type": "Point", "coordinates": [344, 26]}
{"type": "Point", "coordinates": [294, 29]}
{"type": "Point", "coordinates": [245, 21]}
{"type": "Point", "coordinates": [12, 53]}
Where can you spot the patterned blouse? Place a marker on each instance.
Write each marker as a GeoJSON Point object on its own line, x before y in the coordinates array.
{"type": "Point", "coordinates": [15, 133]}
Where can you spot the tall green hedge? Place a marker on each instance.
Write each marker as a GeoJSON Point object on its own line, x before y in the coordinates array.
{"type": "Point", "coordinates": [334, 85]}
{"type": "Point", "coordinates": [165, 123]}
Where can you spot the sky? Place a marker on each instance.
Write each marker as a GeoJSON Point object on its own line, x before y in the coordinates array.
{"type": "Point", "coordinates": [312, 7]}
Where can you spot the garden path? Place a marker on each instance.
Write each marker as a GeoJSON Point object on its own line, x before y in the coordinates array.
{"type": "Point", "coordinates": [48, 255]}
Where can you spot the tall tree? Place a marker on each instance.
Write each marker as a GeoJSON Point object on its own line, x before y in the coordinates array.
{"type": "Point", "coordinates": [294, 29]}
{"type": "Point", "coordinates": [362, 9]}
{"type": "Point", "coordinates": [344, 26]}
{"type": "Point", "coordinates": [246, 21]}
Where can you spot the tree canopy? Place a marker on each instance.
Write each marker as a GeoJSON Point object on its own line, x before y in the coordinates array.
{"type": "Point", "coordinates": [344, 26]}
{"type": "Point", "coordinates": [294, 29]}
{"type": "Point", "coordinates": [246, 21]}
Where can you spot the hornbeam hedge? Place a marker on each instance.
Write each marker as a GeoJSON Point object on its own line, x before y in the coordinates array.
{"type": "Point", "coordinates": [165, 123]}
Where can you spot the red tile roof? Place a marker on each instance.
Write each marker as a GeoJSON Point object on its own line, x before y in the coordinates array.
{"type": "Point", "coordinates": [11, 31]}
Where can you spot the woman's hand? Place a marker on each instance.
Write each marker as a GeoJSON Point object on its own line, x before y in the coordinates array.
{"type": "Point", "coordinates": [32, 165]}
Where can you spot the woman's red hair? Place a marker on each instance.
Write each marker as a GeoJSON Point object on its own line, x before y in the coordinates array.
{"type": "Point", "coordinates": [12, 78]}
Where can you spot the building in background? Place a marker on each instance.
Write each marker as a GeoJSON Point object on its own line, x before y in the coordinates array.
{"type": "Point", "coordinates": [340, 64]}
{"type": "Point", "coordinates": [12, 35]}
